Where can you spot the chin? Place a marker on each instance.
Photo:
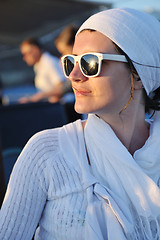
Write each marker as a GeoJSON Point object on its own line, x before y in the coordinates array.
{"type": "Point", "coordinates": [30, 64]}
{"type": "Point", "coordinates": [81, 109]}
{"type": "Point", "coordinates": [84, 109]}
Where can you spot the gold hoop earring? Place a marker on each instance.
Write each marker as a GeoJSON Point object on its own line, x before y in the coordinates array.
{"type": "Point", "coordinates": [131, 94]}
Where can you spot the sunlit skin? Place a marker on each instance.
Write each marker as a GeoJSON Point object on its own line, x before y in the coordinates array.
{"type": "Point", "coordinates": [107, 94]}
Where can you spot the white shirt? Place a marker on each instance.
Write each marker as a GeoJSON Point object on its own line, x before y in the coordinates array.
{"type": "Point", "coordinates": [48, 72]}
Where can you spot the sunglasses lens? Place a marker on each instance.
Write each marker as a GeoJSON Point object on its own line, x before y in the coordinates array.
{"type": "Point", "coordinates": [89, 64]}
{"type": "Point", "coordinates": [68, 65]}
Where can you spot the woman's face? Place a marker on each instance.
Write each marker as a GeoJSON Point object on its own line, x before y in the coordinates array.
{"type": "Point", "coordinates": [107, 93]}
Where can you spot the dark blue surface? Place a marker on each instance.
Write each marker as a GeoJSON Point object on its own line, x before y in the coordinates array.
{"type": "Point", "coordinates": [18, 122]}
{"type": "Point", "coordinates": [11, 95]}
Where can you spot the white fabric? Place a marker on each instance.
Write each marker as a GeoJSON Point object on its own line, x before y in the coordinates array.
{"type": "Point", "coordinates": [53, 186]}
{"type": "Point", "coordinates": [48, 72]}
{"type": "Point", "coordinates": [131, 195]}
{"type": "Point", "coordinates": [137, 34]}
{"type": "Point", "coordinates": [123, 201]}
{"type": "Point", "coordinates": [45, 189]}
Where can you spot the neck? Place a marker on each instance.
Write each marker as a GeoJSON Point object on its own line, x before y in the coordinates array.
{"type": "Point", "coordinates": [130, 126]}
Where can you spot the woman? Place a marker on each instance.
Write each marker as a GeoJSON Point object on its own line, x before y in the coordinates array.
{"type": "Point", "coordinates": [97, 179]}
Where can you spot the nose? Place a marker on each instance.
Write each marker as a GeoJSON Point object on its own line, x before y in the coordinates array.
{"type": "Point", "coordinates": [76, 74]}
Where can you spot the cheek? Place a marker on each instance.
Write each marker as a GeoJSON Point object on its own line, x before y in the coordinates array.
{"type": "Point", "coordinates": [31, 59]}
{"type": "Point", "coordinates": [116, 78]}
{"type": "Point", "coordinates": [113, 89]}
{"type": "Point", "coordinates": [106, 87]}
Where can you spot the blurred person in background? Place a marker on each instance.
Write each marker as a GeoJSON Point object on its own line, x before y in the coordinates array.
{"type": "Point", "coordinates": [61, 92]}
{"type": "Point", "coordinates": [64, 44]}
{"type": "Point", "coordinates": [48, 72]}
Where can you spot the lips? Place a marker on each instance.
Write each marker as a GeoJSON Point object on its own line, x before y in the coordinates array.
{"type": "Point", "coordinates": [81, 91]}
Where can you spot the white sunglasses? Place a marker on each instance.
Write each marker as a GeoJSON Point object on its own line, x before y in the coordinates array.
{"type": "Point", "coordinates": [90, 63]}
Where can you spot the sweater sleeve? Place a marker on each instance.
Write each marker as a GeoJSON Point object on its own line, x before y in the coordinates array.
{"type": "Point", "coordinates": [27, 189]}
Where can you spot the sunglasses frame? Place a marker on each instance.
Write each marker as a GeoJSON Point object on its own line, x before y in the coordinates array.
{"type": "Point", "coordinates": [101, 56]}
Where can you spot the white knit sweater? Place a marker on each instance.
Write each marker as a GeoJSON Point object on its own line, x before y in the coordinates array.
{"type": "Point", "coordinates": [44, 189]}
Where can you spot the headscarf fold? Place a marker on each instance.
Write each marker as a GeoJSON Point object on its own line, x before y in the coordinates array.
{"type": "Point", "coordinates": [137, 34]}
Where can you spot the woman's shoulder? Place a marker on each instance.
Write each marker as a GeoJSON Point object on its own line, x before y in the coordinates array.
{"type": "Point", "coordinates": [38, 150]}
{"type": "Point", "coordinates": [48, 141]}
{"type": "Point", "coordinates": [54, 157]}
{"type": "Point", "coordinates": [43, 139]}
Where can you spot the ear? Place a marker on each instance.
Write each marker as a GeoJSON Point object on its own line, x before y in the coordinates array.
{"type": "Point", "coordinates": [138, 84]}
{"type": "Point", "coordinates": [137, 81]}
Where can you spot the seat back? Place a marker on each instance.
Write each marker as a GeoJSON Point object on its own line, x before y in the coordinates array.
{"type": "Point", "coordinates": [19, 122]}
{"type": "Point", "coordinates": [2, 180]}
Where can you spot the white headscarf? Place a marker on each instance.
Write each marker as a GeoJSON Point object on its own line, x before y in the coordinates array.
{"type": "Point", "coordinates": [137, 34]}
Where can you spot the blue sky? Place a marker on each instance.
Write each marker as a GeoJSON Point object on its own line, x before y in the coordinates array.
{"type": "Point", "coordinates": [145, 5]}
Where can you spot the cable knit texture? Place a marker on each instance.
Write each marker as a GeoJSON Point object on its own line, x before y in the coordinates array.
{"type": "Point", "coordinates": [43, 187]}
